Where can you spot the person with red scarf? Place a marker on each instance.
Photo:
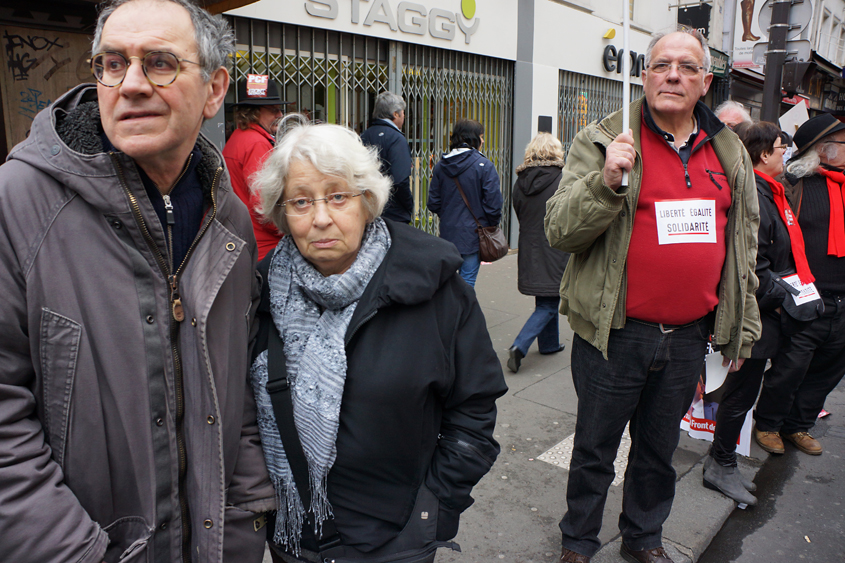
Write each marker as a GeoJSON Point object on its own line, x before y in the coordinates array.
{"type": "Point", "coordinates": [810, 364]}
{"type": "Point", "coordinates": [780, 248]}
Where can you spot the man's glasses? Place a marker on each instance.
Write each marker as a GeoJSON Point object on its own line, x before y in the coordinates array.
{"type": "Point", "coordinates": [686, 69]}
{"type": "Point", "coordinates": [160, 67]}
{"type": "Point", "coordinates": [302, 206]}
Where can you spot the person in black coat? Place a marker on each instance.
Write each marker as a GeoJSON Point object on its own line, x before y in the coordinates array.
{"type": "Point", "coordinates": [540, 266]}
{"type": "Point", "coordinates": [479, 180]}
{"type": "Point", "coordinates": [775, 255]}
{"type": "Point", "coordinates": [385, 133]}
{"type": "Point", "coordinates": [393, 376]}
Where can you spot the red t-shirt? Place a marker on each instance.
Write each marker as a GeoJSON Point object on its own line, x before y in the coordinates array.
{"type": "Point", "coordinates": [678, 244]}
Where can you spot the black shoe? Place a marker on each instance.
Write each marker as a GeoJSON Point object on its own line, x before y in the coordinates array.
{"type": "Point", "coordinates": [514, 358]}
{"type": "Point", "coordinates": [556, 350]}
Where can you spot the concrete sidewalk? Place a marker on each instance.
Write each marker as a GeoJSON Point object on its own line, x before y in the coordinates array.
{"type": "Point", "coordinates": [520, 502]}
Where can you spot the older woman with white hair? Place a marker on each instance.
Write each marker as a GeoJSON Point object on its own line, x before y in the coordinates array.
{"type": "Point", "coordinates": [375, 377]}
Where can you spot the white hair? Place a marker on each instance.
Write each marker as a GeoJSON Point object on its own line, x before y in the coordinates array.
{"type": "Point", "coordinates": [730, 105]}
{"type": "Point", "coordinates": [805, 165]}
{"type": "Point", "coordinates": [331, 149]}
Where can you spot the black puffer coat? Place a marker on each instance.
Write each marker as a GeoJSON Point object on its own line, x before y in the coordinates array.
{"type": "Point", "coordinates": [540, 266]}
{"type": "Point", "coordinates": [418, 406]}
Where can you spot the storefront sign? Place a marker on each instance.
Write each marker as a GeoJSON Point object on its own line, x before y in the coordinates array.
{"type": "Point", "coordinates": [718, 63]}
{"type": "Point", "coordinates": [612, 60]}
{"type": "Point", "coordinates": [696, 17]}
{"type": "Point", "coordinates": [407, 17]}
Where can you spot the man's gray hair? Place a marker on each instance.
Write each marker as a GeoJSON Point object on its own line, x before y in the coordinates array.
{"type": "Point", "coordinates": [213, 35]}
{"type": "Point", "coordinates": [733, 106]}
{"type": "Point", "coordinates": [332, 150]}
{"type": "Point", "coordinates": [681, 29]}
{"type": "Point", "coordinates": [386, 104]}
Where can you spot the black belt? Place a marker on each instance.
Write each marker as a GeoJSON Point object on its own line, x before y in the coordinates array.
{"type": "Point", "coordinates": [667, 328]}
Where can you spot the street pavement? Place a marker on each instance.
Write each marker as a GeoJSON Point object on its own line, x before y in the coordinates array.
{"type": "Point", "coordinates": [801, 511]}
{"type": "Point", "coordinates": [520, 502]}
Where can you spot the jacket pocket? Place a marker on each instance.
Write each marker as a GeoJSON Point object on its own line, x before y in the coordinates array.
{"type": "Point", "coordinates": [243, 535]}
{"type": "Point", "coordinates": [416, 543]}
{"type": "Point", "coordinates": [716, 176]}
{"type": "Point", "coordinates": [60, 337]}
{"type": "Point", "coordinates": [128, 539]}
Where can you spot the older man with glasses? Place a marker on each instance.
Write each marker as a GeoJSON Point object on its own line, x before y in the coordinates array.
{"type": "Point", "coordinates": [658, 264]}
{"type": "Point", "coordinates": [127, 274]}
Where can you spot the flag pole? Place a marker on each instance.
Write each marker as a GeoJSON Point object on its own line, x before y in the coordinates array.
{"type": "Point", "coordinates": [626, 75]}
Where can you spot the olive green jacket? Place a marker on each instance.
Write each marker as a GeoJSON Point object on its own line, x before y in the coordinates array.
{"type": "Point", "coordinates": [594, 223]}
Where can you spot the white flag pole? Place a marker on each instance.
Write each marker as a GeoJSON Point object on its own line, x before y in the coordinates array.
{"type": "Point", "coordinates": [626, 75]}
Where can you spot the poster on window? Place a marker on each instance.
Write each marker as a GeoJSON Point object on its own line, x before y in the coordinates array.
{"type": "Point", "coordinates": [747, 33]}
{"type": "Point", "coordinates": [39, 67]}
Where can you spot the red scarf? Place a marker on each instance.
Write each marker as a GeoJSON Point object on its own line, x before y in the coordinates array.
{"type": "Point", "coordinates": [836, 228]}
{"type": "Point", "coordinates": [796, 239]}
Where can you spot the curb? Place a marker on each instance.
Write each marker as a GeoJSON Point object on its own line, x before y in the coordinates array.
{"type": "Point", "coordinates": [697, 516]}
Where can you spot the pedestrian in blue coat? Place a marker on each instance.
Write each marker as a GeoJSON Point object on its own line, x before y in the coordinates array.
{"type": "Point", "coordinates": [385, 133]}
{"type": "Point", "coordinates": [480, 183]}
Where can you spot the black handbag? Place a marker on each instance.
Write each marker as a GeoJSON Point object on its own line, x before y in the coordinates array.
{"type": "Point", "coordinates": [492, 243]}
{"type": "Point", "coordinates": [796, 316]}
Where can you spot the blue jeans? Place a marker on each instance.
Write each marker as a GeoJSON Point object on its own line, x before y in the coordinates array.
{"type": "Point", "coordinates": [542, 325]}
{"type": "Point", "coordinates": [469, 269]}
{"type": "Point", "coordinates": [648, 379]}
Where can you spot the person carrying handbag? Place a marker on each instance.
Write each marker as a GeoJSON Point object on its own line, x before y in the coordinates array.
{"type": "Point", "coordinates": [460, 219]}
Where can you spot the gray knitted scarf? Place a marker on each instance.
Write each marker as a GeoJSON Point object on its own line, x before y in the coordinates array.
{"type": "Point", "coordinates": [311, 313]}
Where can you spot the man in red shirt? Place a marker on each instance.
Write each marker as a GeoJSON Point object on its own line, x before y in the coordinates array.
{"type": "Point", "coordinates": [256, 116]}
{"type": "Point", "coordinates": [657, 266]}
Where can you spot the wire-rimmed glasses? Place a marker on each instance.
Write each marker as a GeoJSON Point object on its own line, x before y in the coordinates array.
{"type": "Point", "coordinates": [160, 67]}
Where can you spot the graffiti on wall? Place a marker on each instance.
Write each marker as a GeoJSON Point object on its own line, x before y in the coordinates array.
{"type": "Point", "coordinates": [38, 66]}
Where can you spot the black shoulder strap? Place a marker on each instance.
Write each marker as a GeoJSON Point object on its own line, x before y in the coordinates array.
{"type": "Point", "coordinates": [280, 395]}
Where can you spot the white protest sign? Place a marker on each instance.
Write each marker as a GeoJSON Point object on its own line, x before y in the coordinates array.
{"type": "Point", "coordinates": [808, 291]}
{"type": "Point", "coordinates": [686, 221]}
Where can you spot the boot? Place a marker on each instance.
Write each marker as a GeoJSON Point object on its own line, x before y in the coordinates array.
{"type": "Point", "coordinates": [747, 13]}
{"type": "Point", "coordinates": [747, 483]}
{"type": "Point", "coordinates": [727, 481]}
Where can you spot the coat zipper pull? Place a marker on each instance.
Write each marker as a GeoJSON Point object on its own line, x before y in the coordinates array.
{"type": "Point", "coordinates": [168, 210]}
{"type": "Point", "coordinates": [686, 176]}
{"type": "Point", "coordinates": [175, 300]}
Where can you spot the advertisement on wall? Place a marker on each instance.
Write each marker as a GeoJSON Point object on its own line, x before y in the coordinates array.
{"type": "Point", "coordinates": [747, 33]}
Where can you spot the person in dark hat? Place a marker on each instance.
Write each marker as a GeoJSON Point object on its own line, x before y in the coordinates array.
{"type": "Point", "coordinates": [257, 113]}
{"type": "Point", "coordinates": [811, 364]}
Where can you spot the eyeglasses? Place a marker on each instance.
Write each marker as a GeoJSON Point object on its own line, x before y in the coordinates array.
{"type": "Point", "coordinates": [337, 201]}
{"type": "Point", "coordinates": [686, 69]}
{"type": "Point", "coordinates": [781, 147]}
{"type": "Point", "coordinates": [160, 67]}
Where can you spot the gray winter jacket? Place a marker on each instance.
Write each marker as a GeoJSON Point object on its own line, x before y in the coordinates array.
{"type": "Point", "coordinates": [124, 434]}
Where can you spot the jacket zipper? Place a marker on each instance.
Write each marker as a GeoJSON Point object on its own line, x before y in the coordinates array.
{"type": "Point", "coordinates": [178, 316]}
{"type": "Point", "coordinates": [468, 446]}
{"type": "Point", "coordinates": [713, 175]}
